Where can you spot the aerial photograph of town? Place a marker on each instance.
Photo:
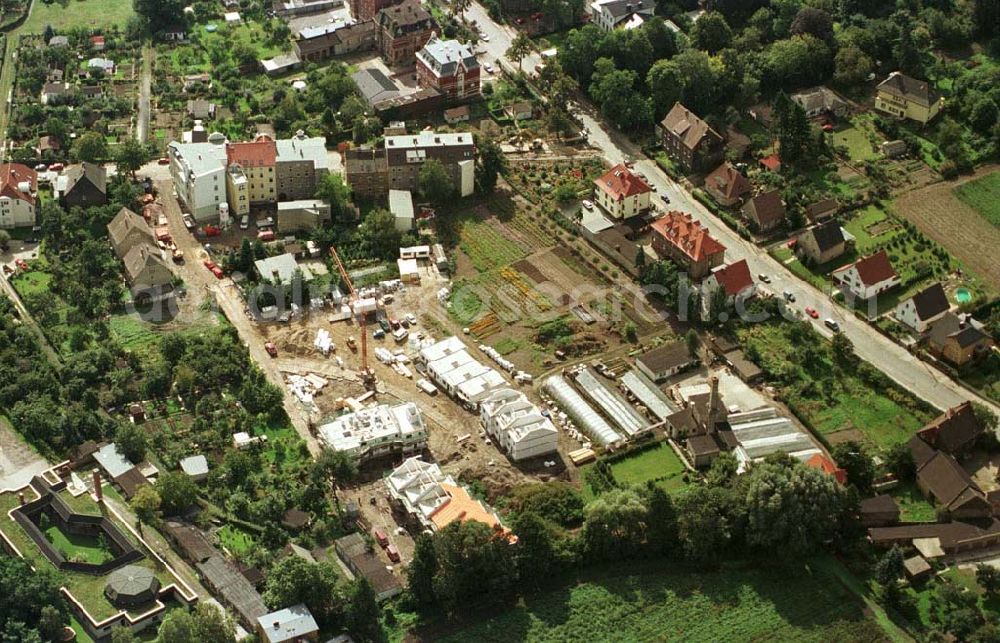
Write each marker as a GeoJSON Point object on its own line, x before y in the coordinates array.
{"type": "Point", "coordinates": [556, 321]}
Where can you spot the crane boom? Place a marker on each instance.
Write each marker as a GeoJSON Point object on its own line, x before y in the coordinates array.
{"type": "Point", "coordinates": [367, 375]}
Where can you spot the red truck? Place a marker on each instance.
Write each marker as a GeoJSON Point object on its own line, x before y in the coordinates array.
{"type": "Point", "coordinates": [392, 553]}
{"type": "Point", "coordinates": [380, 538]}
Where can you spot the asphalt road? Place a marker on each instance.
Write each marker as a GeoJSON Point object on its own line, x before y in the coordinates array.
{"type": "Point", "coordinates": [895, 361]}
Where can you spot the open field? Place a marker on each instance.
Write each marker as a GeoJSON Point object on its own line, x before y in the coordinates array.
{"type": "Point", "coordinates": [832, 400]}
{"type": "Point", "coordinates": [658, 463]}
{"type": "Point", "coordinates": [70, 14]}
{"type": "Point", "coordinates": [983, 195]}
{"type": "Point", "coordinates": [961, 229]}
{"type": "Point", "coordinates": [659, 602]}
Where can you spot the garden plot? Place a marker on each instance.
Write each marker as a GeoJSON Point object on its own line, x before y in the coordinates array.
{"type": "Point", "coordinates": [957, 226]}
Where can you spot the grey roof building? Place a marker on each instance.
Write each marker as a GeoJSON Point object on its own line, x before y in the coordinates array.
{"type": "Point", "coordinates": [375, 87]}
{"type": "Point", "coordinates": [295, 623]}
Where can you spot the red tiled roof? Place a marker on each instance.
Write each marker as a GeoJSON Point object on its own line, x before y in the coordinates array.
{"type": "Point", "coordinates": [13, 173]}
{"type": "Point", "coordinates": [824, 464]}
{"type": "Point", "coordinates": [681, 231]}
{"type": "Point", "coordinates": [734, 278]}
{"type": "Point", "coordinates": [619, 182]}
{"type": "Point", "coordinates": [772, 162]}
{"type": "Point", "coordinates": [260, 153]}
{"type": "Point", "coordinates": [727, 181]}
{"type": "Point", "coordinates": [875, 268]}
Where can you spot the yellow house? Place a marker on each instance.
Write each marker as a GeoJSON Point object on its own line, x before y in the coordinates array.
{"type": "Point", "coordinates": [906, 97]}
{"type": "Point", "coordinates": [257, 162]}
{"type": "Point", "coordinates": [237, 191]}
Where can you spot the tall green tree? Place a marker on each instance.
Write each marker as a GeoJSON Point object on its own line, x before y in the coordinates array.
{"type": "Point", "coordinates": [91, 147]}
{"type": "Point", "coordinates": [422, 570]}
{"type": "Point", "coordinates": [435, 182]}
{"type": "Point", "coordinates": [520, 48]}
{"type": "Point", "coordinates": [337, 194]}
{"type": "Point", "coordinates": [177, 492]}
{"type": "Point", "coordinates": [130, 156]}
{"type": "Point", "coordinates": [475, 562]}
{"type": "Point", "coordinates": [159, 14]}
{"type": "Point", "coordinates": [24, 595]}
{"type": "Point", "coordinates": [491, 162]}
{"type": "Point", "coordinates": [793, 131]}
{"type": "Point", "coordinates": [711, 33]}
{"type": "Point", "coordinates": [293, 580]}
{"type": "Point", "coordinates": [132, 441]}
{"type": "Point", "coordinates": [855, 460]}
{"type": "Point", "coordinates": [614, 524]}
{"type": "Point", "coordinates": [146, 504]}
{"type": "Point", "coordinates": [362, 617]}
{"type": "Point", "coordinates": [205, 623]}
{"type": "Point", "coordinates": [535, 552]}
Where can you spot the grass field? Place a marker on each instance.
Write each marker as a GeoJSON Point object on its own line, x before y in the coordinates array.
{"type": "Point", "coordinates": [69, 14]}
{"type": "Point", "coordinates": [832, 400]}
{"type": "Point", "coordinates": [656, 601]}
{"type": "Point", "coordinates": [855, 139]}
{"type": "Point", "coordinates": [913, 506]}
{"type": "Point", "coordinates": [658, 463]}
{"type": "Point", "coordinates": [236, 541]}
{"type": "Point", "coordinates": [983, 196]}
{"type": "Point", "coordinates": [77, 547]}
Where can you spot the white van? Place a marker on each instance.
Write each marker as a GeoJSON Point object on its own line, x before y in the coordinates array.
{"type": "Point", "coordinates": [245, 222]}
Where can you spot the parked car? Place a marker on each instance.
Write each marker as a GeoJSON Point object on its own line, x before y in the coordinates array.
{"type": "Point", "coordinates": [163, 161]}
{"type": "Point", "coordinates": [41, 167]}
{"type": "Point", "coordinates": [411, 319]}
{"type": "Point", "coordinates": [812, 312]}
{"type": "Point", "coordinates": [832, 325]}
{"type": "Point", "coordinates": [665, 198]}
{"type": "Point", "coordinates": [489, 68]}
{"type": "Point", "coordinates": [764, 278]}
{"type": "Point", "coordinates": [384, 325]}
{"type": "Point", "coordinates": [789, 296]}
{"type": "Point", "coordinates": [57, 167]}
{"type": "Point", "coordinates": [378, 333]}
{"type": "Point", "coordinates": [271, 349]}
{"type": "Point", "coordinates": [209, 264]}
{"type": "Point", "coordinates": [588, 204]}
{"type": "Point", "coordinates": [244, 222]}
{"type": "Point", "coordinates": [380, 538]}
{"type": "Point", "coordinates": [217, 271]}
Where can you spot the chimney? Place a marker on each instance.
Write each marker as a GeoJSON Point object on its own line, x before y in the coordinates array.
{"type": "Point", "coordinates": [713, 400]}
{"type": "Point", "coordinates": [98, 491]}
{"type": "Point", "coordinates": [277, 625]}
{"type": "Point", "coordinates": [20, 497]}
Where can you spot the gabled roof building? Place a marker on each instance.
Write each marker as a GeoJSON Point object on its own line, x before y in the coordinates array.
{"type": "Point", "coordinates": [688, 243]}
{"type": "Point", "coordinates": [517, 425]}
{"type": "Point", "coordinates": [689, 141]}
{"type": "Point", "coordinates": [923, 308]}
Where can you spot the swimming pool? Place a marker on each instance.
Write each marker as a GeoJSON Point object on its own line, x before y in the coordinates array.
{"type": "Point", "coordinates": [963, 295]}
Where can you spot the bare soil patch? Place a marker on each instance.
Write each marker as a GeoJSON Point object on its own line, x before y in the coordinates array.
{"type": "Point", "coordinates": [956, 226]}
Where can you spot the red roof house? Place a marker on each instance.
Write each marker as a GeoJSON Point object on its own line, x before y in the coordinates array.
{"type": "Point", "coordinates": [688, 243]}
{"type": "Point", "coordinates": [824, 464]}
{"type": "Point", "coordinates": [771, 163]}
{"type": "Point", "coordinates": [734, 278]}
{"type": "Point", "coordinates": [867, 277]}
{"type": "Point", "coordinates": [726, 185]}
{"type": "Point", "coordinates": [261, 152]}
{"type": "Point", "coordinates": [622, 193]}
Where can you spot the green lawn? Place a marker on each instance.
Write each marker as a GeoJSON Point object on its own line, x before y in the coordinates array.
{"type": "Point", "coordinates": [70, 14]}
{"type": "Point", "coordinates": [855, 139]}
{"type": "Point", "coordinates": [236, 541]}
{"type": "Point", "coordinates": [658, 463]}
{"type": "Point", "coordinates": [913, 506]}
{"type": "Point", "coordinates": [77, 547]}
{"type": "Point", "coordinates": [31, 282]}
{"type": "Point", "coordinates": [487, 248]}
{"type": "Point", "coordinates": [655, 601]}
{"type": "Point", "coordinates": [832, 400]}
{"type": "Point", "coordinates": [983, 196]}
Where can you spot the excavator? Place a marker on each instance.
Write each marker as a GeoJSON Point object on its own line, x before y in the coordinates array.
{"type": "Point", "coordinates": [367, 374]}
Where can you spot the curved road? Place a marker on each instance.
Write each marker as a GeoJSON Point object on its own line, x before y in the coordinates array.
{"type": "Point", "coordinates": [922, 379]}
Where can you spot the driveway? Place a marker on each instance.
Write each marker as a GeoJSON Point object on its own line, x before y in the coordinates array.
{"type": "Point", "coordinates": [18, 462]}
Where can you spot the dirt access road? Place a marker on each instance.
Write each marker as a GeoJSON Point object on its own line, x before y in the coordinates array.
{"type": "Point", "coordinates": [202, 284]}
{"type": "Point", "coordinates": [965, 233]}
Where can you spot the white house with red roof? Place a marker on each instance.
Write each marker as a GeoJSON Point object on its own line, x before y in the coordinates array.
{"type": "Point", "coordinates": [688, 243]}
{"type": "Point", "coordinates": [18, 195]}
{"type": "Point", "coordinates": [622, 193]}
{"type": "Point", "coordinates": [868, 277]}
{"type": "Point", "coordinates": [734, 278]}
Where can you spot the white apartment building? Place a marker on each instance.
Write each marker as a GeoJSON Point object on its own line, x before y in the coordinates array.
{"type": "Point", "coordinates": [377, 431]}
{"type": "Point", "coordinates": [199, 174]}
{"type": "Point", "coordinates": [517, 425]}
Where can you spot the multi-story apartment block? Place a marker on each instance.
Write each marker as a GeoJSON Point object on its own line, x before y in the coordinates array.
{"type": "Point", "coordinates": [689, 141]}
{"type": "Point", "coordinates": [406, 154]}
{"type": "Point", "coordinates": [367, 172]}
{"type": "Point", "coordinates": [264, 170]}
{"type": "Point", "coordinates": [18, 191]}
{"type": "Point", "coordinates": [368, 9]}
{"type": "Point", "coordinates": [403, 30]}
{"type": "Point", "coordinates": [449, 67]}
